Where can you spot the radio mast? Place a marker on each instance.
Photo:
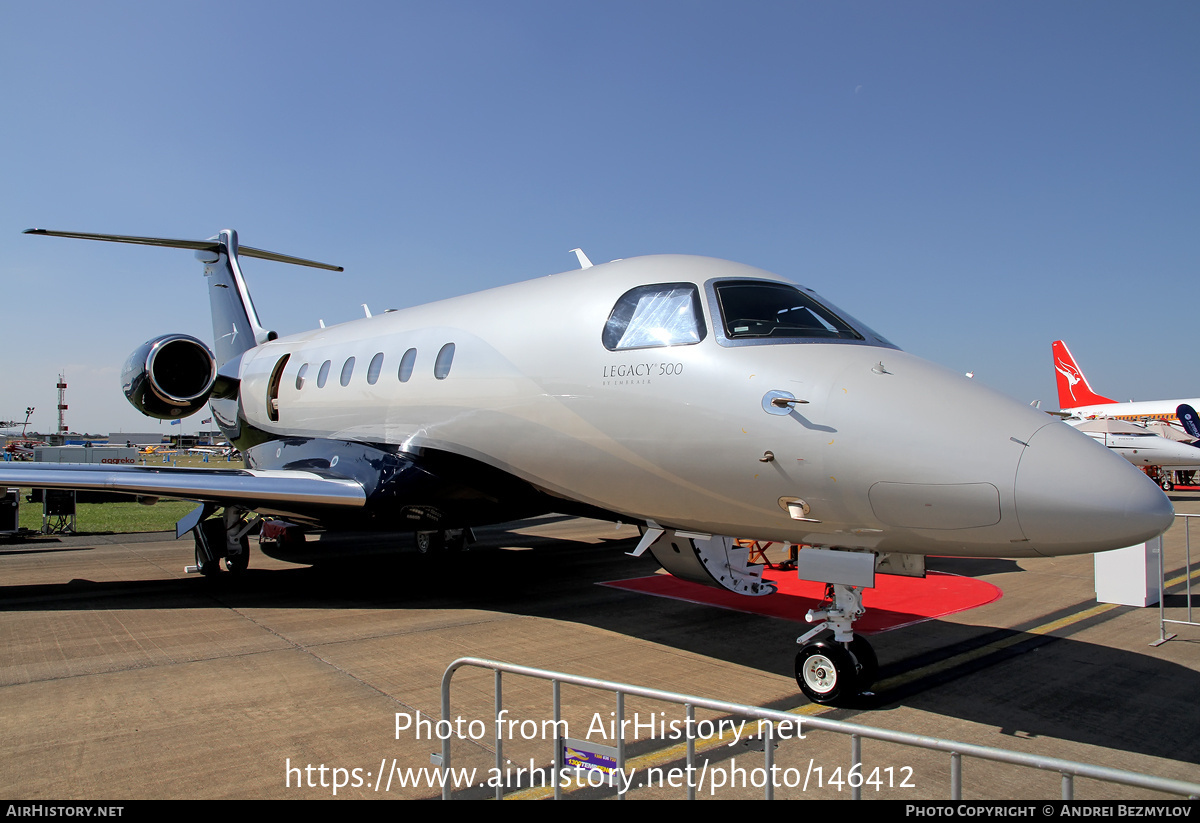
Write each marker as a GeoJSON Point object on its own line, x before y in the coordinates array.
{"type": "Point", "coordinates": [62, 405]}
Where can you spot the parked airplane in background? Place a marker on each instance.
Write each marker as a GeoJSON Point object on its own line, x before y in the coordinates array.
{"type": "Point", "coordinates": [211, 451]}
{"type": "Point", "coordinates": [703, 399]}
{"type": "Point", "coordinates": [1075, 395]}
{"type": "Point", "coordinates": [163, 449]}
{"type": "Point", "coordinates": [22, 449]}
{"type": "Point", "coordinates": [1139, 445]}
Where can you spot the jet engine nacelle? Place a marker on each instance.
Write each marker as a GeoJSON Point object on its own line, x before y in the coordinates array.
{"type": "Point", "coordinates": [169, 377]}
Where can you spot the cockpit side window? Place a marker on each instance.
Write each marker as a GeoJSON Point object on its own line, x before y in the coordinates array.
{"type": "Point", "coordinates": [665, 314]}
{"type": "Point", "coordinates": [755, 309]}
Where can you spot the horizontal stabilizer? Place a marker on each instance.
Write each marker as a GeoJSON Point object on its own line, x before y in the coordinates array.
{"type": "Point", "coordinates": [195, 245]}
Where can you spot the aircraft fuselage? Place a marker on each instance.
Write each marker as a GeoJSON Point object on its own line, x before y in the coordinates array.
{"type": "Point", "coordinates": [886, 451]}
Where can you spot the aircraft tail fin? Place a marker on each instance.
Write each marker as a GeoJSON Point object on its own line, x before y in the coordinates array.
{"type": "Point", "coordinates": [1073, 388]}
{"type": "Point", "coordinates": [236, 327]}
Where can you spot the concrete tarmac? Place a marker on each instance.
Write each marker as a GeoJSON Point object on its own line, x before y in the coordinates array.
{"type": "Point", "coordinates": [122, 677]}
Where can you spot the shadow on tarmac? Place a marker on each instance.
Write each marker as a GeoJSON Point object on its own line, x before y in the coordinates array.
{"type": "Point", "coordinates": [1027, 684]}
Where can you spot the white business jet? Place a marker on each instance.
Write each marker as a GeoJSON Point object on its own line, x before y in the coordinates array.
{"type": "Point", "coordinates": [703, 399]}
{"type": "Point", "coordinates": [1138, 444]}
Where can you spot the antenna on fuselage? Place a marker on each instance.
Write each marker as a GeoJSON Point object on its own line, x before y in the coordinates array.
{"type": "Point", "coordinates": [584, 263]}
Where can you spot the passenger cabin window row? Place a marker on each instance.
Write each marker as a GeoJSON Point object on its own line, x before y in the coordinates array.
{"type": "Point", "coordinates": [441, 368]}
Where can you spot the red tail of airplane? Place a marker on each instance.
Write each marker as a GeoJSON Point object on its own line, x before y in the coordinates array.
{"type": "Point", "coordinates": [1073, 388]}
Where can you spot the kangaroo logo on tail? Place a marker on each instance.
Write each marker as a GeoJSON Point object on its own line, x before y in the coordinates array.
{"type": "Point", "coordinates": [1069, 372]}
{"type": "Point", "coordinates": [1073, 388]}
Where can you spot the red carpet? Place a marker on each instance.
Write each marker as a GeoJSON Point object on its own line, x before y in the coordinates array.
{"type": "Point", "coordinates": [894, 602]}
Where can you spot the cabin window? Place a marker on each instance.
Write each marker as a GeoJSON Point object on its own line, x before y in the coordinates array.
{"type": "Point", "coordinates": [406, 365]}
{"type": "Point", "coordinates": [756, 309]}
{"type": "Point", "coordinates": [347, 371]}
{"type": "Point", "coordinates": [667, 314]}
{"type": "Point", "coordinates": [300, 376]}
{"type": "Point", "coordinates": [374, 368]}
{"type": "Point", "coordinates": [323, 375]}
{"type": "Point", "coordinates": [445, 357]}
{"type": "Point", "coordinates": [273, 389]}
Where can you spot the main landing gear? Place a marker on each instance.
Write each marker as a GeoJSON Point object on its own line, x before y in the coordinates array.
{"type": "Point", "coordinates": [841, 664]}
{"type": "Point", "coordinates": [452, 540]}
{"type": "Point", "coordinates": [224, 538]}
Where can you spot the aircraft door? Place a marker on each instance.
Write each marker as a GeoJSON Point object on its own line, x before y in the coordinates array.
{"type": "Point", "coordinates": [273, 389]}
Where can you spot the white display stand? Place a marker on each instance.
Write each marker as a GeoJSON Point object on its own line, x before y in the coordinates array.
{"type": "Point", "coordinates": [1130, 577]}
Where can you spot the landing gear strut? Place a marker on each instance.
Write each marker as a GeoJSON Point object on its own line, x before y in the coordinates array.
{"type": "Point", "coordinates": [209, 537]}
{"type": "Point", "coordinates": [844, 665]}
{"type": "Point", "coordinates": [225, 538]}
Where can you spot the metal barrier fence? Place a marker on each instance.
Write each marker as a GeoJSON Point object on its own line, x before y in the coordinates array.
{"type": "Point", "coordinates": [1068, 769]}
{"type": "Point", "coordinates": [1163, 637]}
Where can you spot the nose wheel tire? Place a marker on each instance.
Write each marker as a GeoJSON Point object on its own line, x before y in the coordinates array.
{"type": "Point", "coordinates": [825, 672]}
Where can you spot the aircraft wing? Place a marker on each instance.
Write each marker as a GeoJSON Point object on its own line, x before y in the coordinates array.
{"type": "Point", "coordinates": [286, 489]}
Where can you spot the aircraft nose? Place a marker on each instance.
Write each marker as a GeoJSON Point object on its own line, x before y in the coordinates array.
{"type": "Point", "coordinates": [1074, 496]}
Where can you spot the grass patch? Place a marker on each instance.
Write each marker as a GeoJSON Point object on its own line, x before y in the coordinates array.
{"type": "Point", "coordinates": [131, 517]}
{"type": "Point", "coordinates": [115, 518]}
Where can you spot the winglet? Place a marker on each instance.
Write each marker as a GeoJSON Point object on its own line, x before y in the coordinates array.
{"type": "Point", "coordinates": [1073, 388]}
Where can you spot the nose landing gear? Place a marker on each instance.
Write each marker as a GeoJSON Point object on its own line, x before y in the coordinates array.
{"type": "Point", "coordinates": [844, 665]}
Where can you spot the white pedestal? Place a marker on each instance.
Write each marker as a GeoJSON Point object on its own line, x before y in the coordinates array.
{"type": "Point", "coordinates": [1130, 577]}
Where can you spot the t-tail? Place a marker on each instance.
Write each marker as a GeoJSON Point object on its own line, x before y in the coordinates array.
{"type": "Point", "coordinates": [175, 375]}
{"type": "Point", "coordinates": [236, 327]}
{"type": "Point", "coordinates": [1073, 388]}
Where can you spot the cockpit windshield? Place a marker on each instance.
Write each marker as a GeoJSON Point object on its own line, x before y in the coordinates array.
{"type": "Point", "coordinates": [757, 309]}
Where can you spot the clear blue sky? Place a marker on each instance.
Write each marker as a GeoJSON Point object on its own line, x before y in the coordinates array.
{"type": "Point", "coordinates": [972, 179]}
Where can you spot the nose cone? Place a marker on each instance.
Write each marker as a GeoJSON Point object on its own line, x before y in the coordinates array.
{"type": "Point", "coordinates": [1074, 496]}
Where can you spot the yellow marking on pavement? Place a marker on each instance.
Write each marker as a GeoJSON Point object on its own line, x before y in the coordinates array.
{"type": "Point", "coordinates": [983, 651]}
{"type": "Point", "coordinates": [678, 751]}
{"type": "Point", "coordinates": [1177, 580]}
